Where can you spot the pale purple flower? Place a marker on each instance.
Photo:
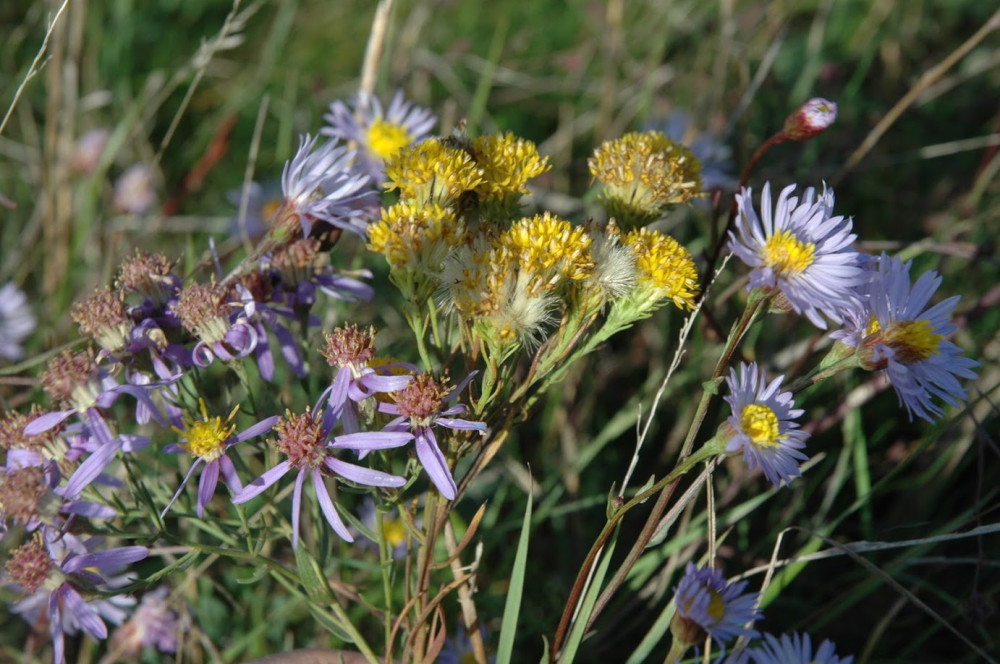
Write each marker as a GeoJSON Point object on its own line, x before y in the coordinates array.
{"type": "Point", "coordinates": [321, 183]}
{"type": "Point", "coordinates": [309, 446]}
{"type": "Point", "coordinates": [262, 204]}
{"type": "Point", "coordinates": [707, 604]}
{"type": "Point", "coordinates": [799, 249]}
{"type": "Point", "coordinates": [17, 321]}
{"type": "Point", "coordinates": [378, 132]}
{"type": "Point", "coordinates": [134, 190]}
{"type": "Point", "coordinates": [209, 440]}
{"type": "Point", "coordinates": [762, 426]}
{"type": "Point", "coordinates": [895, 329]}
{"type": "Point", "coordinates": [54, 568]}
{"type": "Point", "coordinates": [153, 625]}
{"type": "Point", "coordinates": [795, 649]}
{"type": "Point", "coordinates": [421, 405]}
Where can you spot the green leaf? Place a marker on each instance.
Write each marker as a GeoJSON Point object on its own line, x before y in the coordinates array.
{"type": "Point", "coordinates": [513, 606]}
{"type": "Point", "coordinates": [312, 577]}
{"type": "Point", "coordinates": [583, 616]}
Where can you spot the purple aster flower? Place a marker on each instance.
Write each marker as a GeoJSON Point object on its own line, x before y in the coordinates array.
{"type": "Point", "coordinates": [421, 405]}
{"type": "Point", "coordinates": [800, 250]}
{"type": "Point", "coordinates": [75, 380]}
{"type": "Point", "coordinates": [795, 649]}
{"type": "Point", "coordinates": [209, 439]}
{"type": "Point", "coordinates": [322, 184]}
{"type": "Point", "coordinates": [761, 424]}
{"type": "Point", "coordinates": [205, 311]}
{"type": "Point", "coordinates": [255, 293]}
{"type": "Point", "coordinates": [16, 321]}
{"type": "Point", "coordinates": [135, 192]}
{"type": "Point", "coordinates": [351, 395]}
{"type": "Point", "coordinates": [894, 329]}
{"type": "Point", "coordinates": [56, 571]}
{"type": "Point", "coordinates": [706, 604]}
{"type": "Point", "coordinates": [379, 133]}
{"type": "Point", "coordinates": [153, 625]}
{"type": "Point", "coordinates": [309, 447]}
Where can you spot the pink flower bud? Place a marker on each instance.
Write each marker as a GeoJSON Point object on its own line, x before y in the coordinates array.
{"type": "Point", "coordinates": [810, 119]}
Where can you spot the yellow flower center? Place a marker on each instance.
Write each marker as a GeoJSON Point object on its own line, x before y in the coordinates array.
{"type": "Point", "coordinates": [760, 424]}
{"type": "Point", "coordinates": [913, 340]}
{"type": "Point", "coordinates": [394, 532]}
{"type": "Point", "coordinates": [206, 437]}
{"type": "Point", "coordinates": [873, 327]}
{"type": "Point", "coordinates": [716, 606]}
{"type": "Point", "coordinates": [385, 138]}
{"type": "Point", "coordinates": [786, 254]}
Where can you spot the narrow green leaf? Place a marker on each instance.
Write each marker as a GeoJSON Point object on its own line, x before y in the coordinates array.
{"type": "Point", "coordinates": [583, 616]}
{"type": "Point", "coordinates": [513, 606]}
{"type": "Point", "coordinates": [312, 577]}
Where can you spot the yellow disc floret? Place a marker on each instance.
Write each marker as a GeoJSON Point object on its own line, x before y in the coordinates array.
{"type": "Point", "coordinates": [760, 425]}
{"type": "Point", "coordinates": [432, 172]}
{"type": "Point", "coordinates": [642, 172]}
{"type": "Point", "coordinates": [786, 255]}
{"type": "Point", "coordinates": [664, 266]}
{"type": "Point", "coordinates": [508, 163]}
{"type": "Point", "coordinates": [413, 236]}
{"type": "Point", "coordinates": [386, 138]}
{"type": "Point", "coordinates": [549, 249]}
{"type": "Point", "coordinates": [206, 437]}
{"type": "Point", "coordinates": [913, 340]}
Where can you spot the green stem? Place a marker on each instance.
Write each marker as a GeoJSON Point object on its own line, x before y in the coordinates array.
{"type": "Point", "coordinates": [385, 563]}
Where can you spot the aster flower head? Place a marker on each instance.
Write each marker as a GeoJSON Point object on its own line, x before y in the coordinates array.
{"type": "Point", "coordinates": [204, 310]}
{"type": "Point", "coordinates": [799, 250]}
{"type": "Point", "coordinates": [795, 649]}
{"type": "Point", "coordinates": [322, 184]}
{"type": "Point", "coordinates": [17, 321]}
{"type": "Point", "coordinates": [56, 572]}
{"type": "Point", "coordinates": [642, 173]}
{"type": "Point", "coordinates": [432, 171]}
{"type": "Point", "coordinates": [104, 318]}
{"type": "Point", "coordinates": [208, 440]}
{"type": "Point", "coordinates": [707, 605]}
{"type": "Point", "coordinates": [895, 329]}
{"type": "Point", "coordinates": [150, 278]}
{"type": "Point", "coordinates": [309, 446]}
{"type": "Point", "coordinates": [761, 424]}
{"type": "Point", "coordinates": [155, 624]}
{"type": "Point", "coordinates": [135, 191]}
{"type": "Point", "coordinates": [664, 270]}
{"type": "Point", "coordinates": [378, 132]}
{"type": "Point", "coordinates": [415, 239]}
{"type": "Point", "coordinates": [424, 403]}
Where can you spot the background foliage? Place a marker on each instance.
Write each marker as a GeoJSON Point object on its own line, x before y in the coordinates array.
{"type": "Point", "coordinates": [568, 75]}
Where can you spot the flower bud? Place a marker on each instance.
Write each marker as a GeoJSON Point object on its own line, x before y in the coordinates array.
{"type": "Point", "coordinates": [812, 118]}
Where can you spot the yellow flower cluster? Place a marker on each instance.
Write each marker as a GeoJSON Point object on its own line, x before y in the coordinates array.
{"type": "Point", "coordinates": [665, 268]}
{"type": "Point", "coordinates": [642, 172]}
{"type": "Point", "coordinates": [416, 237]}
{"type": "Point", "coordinates": [508, 163]}
{"type": "Point", "coordinates": [456, 230]}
